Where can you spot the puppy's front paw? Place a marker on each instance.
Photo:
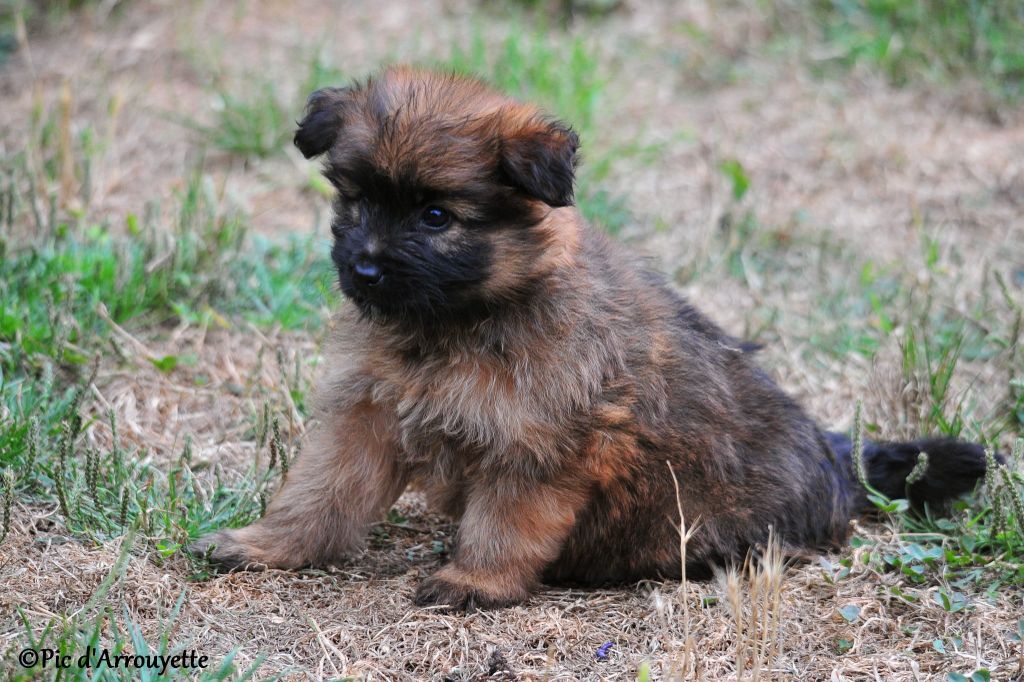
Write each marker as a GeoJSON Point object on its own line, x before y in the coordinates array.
{"type": "Point", "coordinates": [227, 551]}
{"type": "Point", "coordinates": [458, 591]}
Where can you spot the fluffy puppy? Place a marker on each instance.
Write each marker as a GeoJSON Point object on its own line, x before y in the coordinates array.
{"type": "Point", "coordinates": [542, 386]}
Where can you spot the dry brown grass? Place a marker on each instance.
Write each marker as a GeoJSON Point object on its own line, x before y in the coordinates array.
{"type": "Point", "coordinates": [757, 624]}
{"type": "Point", "coordinates": [357, 619]}
{"type": "Point", "coordinates": [871, 165]}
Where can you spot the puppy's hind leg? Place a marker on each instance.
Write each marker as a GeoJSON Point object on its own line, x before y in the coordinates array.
{"type": "Point", "coordinates": [345, 478]}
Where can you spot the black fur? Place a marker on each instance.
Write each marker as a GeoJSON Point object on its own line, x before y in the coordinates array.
{"type": "Point", "coordinates": [318, 130]}
{"type": "Point", "coordinates": [420, 282]}
{"type": "Point", "coordinates": [954, 468]}
{"type": "Point", "coordinates": [543, 165]}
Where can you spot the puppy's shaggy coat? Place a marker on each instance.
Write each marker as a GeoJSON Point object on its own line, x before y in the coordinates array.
{"type": "Point", "coordinates": [542, 386]}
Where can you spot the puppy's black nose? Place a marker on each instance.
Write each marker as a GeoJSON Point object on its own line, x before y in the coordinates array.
{"type": "Point", "coordinates": [367, 273]}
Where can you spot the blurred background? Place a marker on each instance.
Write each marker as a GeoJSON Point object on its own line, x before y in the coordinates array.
{"type": "Point", "coordinates": [840, 181]}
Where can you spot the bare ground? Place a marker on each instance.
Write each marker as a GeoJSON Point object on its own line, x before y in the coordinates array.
{"type": "Point", "coordinates": [853, 157]}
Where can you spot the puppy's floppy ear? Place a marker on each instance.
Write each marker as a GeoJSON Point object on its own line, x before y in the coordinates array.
{"type": "Point", "coordinates": [541, 160]}
{"type": "Point", "coordinates": [324, 117]}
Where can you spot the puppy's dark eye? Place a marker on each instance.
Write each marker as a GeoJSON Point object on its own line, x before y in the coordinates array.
{"type": "Point", "coordinates": [434, 218]}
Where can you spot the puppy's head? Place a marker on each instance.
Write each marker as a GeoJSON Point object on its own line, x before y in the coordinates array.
{"type": "Point", "coordinates": [446, 193]}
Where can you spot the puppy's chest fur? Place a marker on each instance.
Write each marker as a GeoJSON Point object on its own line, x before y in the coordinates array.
{"type": "Point", "coordinates": [466, 403]}
{"type": "Point", "coordinates": [474, 407]}
{"type": "Point", "coordinates": [526, 402]}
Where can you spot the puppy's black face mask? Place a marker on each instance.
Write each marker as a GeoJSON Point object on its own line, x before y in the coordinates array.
{"type": "Point", "coordinates": [433, 172]}
{"type": "Point", "coordinates": [407, 260]}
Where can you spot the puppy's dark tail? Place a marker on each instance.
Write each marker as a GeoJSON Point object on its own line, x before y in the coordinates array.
{"type": "Point", "coordinates": [954, 468]}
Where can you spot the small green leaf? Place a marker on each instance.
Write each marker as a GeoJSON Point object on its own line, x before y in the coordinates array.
{"type": "Point", "coordinates": [906, 596]}
{"type": "Point", "coordinates": [951, 602]}
{"type": "Point", "coordinates": [915, 550]}
{"type": "Point", "coordinates": [733, 170]}
{"type": "Point", "coordinates": [133, 224]}
{"type": "Point", "coordinates": [850, 612]}
{"type": "Point", "coordinates": [166, 549]}
{"type": "Point", "coordinates": [166, 364]}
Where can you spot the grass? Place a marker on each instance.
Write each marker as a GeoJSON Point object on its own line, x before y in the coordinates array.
{"type": "Point", "coordinates": [60, 289]}
{"type": "Point", "coordinates": [65, 295]}
{"type": "Point", "coordinates": [858, 309]}
{"type": "Point", "coordinates": [254, 119]}
{"type": "Point", "coordinates": [955, 559]}
{"type": "Point", "coordinates": [254, 123]}
{"type": "Point", "coordinates": [100, 497]}
{"type": "Point", "coordinates": [860, 305]}
{"type": "Point", "coordinates": [980, 542]}
{"type": "Point", "coordinates": [937, 41]}
{"type": "Point", "coordinates": [77, 645]}
{"type": "Point", "coordinates": [18, 16]}
{"type": "Point", "coordinates": [100, 493]}
{"type": "Point", "coordinates": [754, 597]}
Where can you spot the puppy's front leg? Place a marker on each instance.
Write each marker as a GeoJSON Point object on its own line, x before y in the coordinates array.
{"type": "Point", "coordinates": [345, 478]}
{"type": "Point", "coordinates": [512, 528]}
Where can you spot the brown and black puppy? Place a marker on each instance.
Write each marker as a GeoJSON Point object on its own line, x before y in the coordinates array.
{"type": "Point", "coordinates": [534, 379]}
